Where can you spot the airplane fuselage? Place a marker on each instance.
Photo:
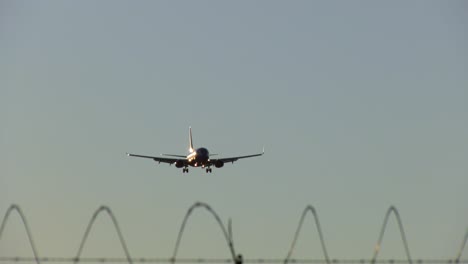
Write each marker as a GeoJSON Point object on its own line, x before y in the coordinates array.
{"type": "Point", "coordinates": [198, 157]}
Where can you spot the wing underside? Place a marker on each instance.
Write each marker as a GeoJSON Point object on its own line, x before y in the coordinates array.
{"type": "Point", "coordinates": [157, 159]}
{"type": "Point", "coordinates": [232, 159]}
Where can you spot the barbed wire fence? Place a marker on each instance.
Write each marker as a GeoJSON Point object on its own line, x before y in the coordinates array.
{"type": "Point", "coordinates": [227, 232]}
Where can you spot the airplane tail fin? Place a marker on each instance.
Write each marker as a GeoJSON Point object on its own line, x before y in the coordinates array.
{"type": "Point", "coordinates": [191, 149]}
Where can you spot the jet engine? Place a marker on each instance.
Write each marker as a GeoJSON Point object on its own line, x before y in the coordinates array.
{"type": "Point", "coordinates": [179, 163]}
{"type": "Point", "coordinates": [219, 164]}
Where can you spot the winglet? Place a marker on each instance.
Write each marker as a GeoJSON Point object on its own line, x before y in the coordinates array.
{"type": "Point", "coordinates": [263, 152]}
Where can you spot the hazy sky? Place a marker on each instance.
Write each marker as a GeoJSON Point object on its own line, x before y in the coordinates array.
{"type": "Point", "coordinates": [360, 105]}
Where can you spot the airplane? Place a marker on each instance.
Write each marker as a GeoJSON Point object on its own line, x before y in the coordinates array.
{"type": "Point", "coordinates": [199, 157]}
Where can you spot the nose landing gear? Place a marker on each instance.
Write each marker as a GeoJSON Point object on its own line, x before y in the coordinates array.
{"type": "Point", "coordinates": [208, 170]}
{"type": "Point", "coordinates": [185, 170]}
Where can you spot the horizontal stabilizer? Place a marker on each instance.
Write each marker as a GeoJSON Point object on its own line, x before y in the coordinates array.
{"type": "Point", "coordinates": [172, 155]}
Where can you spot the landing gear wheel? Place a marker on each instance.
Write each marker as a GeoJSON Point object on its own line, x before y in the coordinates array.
{"type": "Point", "coordinates": [208, 170]}
{"type": "Point", "coordinates": [185, 170]}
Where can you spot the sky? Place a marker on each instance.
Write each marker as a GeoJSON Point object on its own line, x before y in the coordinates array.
{"type": "Point", "coordinates": [360, 105]}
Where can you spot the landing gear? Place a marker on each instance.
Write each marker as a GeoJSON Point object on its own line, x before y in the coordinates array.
{"type": "Point", "coordinates": [185, 170]}
{"type": "Point", "coordinates": [208, 170]}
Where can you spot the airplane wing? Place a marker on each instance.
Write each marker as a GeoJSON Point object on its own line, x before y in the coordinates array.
{"type": "Point", "coordinates": [232, 159]}
{"type": "Point", "coordinates": [158, 159]}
